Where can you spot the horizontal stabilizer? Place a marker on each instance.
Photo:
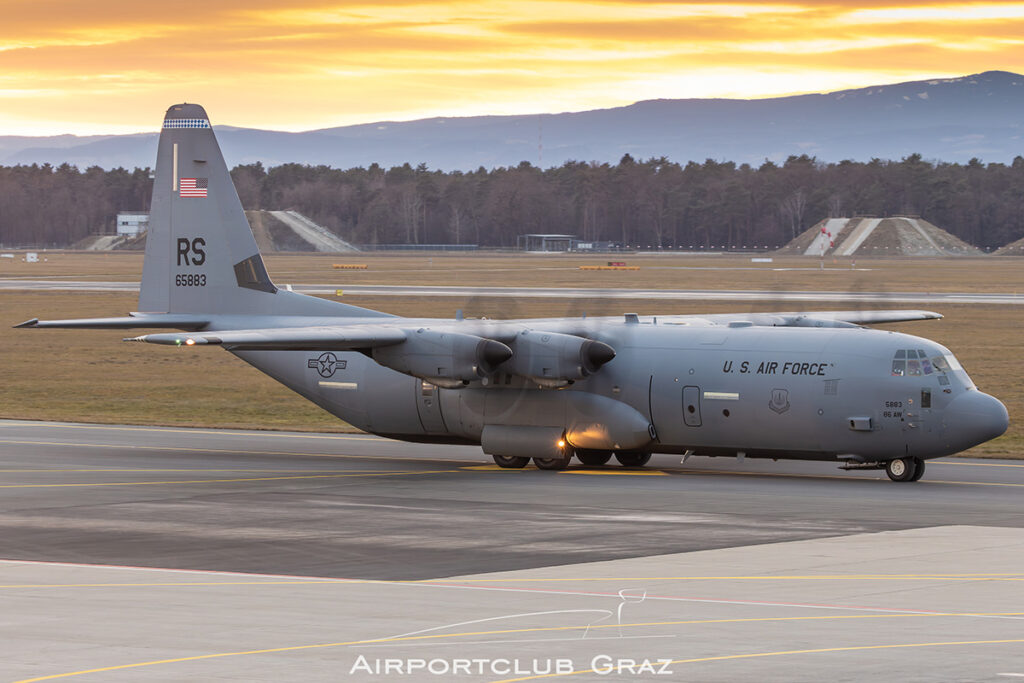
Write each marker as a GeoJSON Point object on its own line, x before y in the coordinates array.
{"type": "Point", "coordinates": [285, 338]}
{"type": "Point", "coordinates": [159, 320]}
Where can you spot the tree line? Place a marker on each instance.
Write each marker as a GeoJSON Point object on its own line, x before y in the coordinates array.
{"type": "Point", "coordinates": [650, 203]}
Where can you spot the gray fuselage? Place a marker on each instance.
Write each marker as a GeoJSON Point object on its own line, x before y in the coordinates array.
{"type": "Point", "coordinates": [672, 388]}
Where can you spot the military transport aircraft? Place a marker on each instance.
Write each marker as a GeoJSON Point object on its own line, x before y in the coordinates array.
{"type": "Point", "coordinates": [815, 386]}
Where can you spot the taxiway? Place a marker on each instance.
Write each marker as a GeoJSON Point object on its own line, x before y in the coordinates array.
{"type": "Point", "coordinates": [150, 553]}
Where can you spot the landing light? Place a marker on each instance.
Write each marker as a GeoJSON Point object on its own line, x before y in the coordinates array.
{"type": "Point", "coordinates": [561, 443]}
{"type": "Point", "coordinates": [190, 342]}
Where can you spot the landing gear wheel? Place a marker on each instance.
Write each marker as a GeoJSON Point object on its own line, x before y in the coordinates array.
{"type": "Point", "coordinates": [628, 459]}
{"type": "Point", "coordinates": [513, 462]}
{"type": "Point", "coordinates": [552, 463]}
{"type": "Point", "coordinates": [901, 469]}
{"type": "Point", "coordinates": [593, 458]}
{"type": "Point", "coordinates": [919, 472]}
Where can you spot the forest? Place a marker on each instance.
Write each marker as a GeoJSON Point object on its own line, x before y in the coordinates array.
{"type": "Point", "coordinates": [638, 204]}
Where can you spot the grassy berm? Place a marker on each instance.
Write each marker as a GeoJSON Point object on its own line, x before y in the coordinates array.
{"type": "Point", "coordinates": [91, 376]}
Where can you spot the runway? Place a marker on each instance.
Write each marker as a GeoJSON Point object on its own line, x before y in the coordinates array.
{"type": "Point", "coordinates": [148, 553]}
{"type": "Point", "coordinates": [991, 298]}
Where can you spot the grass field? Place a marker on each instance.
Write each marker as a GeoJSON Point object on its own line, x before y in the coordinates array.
{"type": "Point", "coordinates": [91, 376]}
{"type": "Point", "coordinates": [787, 273]}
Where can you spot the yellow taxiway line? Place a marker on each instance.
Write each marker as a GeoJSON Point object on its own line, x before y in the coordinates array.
{"type": "Point", "coordinates": [546, 629]}
{"type": "Point", "coordinates": [190, 430]}
{"type": "Point", "coordinates": [754, 655]}
{"type": "Point", "coordinates": [223, 481]}
{"type": "Point", "coordinates": [190, 449]}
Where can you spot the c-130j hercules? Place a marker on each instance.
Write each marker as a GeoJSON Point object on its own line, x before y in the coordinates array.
{"type": "Point", "coordinates": [813, 386]}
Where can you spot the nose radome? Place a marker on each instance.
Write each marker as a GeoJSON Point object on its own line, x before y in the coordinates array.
{"type": "Point", "coordinates": [976, 417]}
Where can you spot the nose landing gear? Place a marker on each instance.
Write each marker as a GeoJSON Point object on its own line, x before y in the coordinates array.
{"type": "Point", "coordinates": [905, 469]}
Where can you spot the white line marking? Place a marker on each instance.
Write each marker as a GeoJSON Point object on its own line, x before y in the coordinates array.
{"type": "Point", "coordinates": [430, 584]}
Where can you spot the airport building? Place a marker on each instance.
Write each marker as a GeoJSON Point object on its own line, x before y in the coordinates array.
{"type": "Point", "coordinates": [550, 242]}
{"type": "Point", "coordinates": [132, 223]}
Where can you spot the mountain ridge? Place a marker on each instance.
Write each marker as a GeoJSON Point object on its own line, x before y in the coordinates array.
{"type": "Point", "coordinates": [947, 119]}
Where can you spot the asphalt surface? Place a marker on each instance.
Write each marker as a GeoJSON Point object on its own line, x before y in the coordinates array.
{"type": "Point", "coordinates": [358, 506]}
{"type": "Point", "coordinates": [165, 554]}
{"type": "Point", "coordinates": [937, 604]}
{"type": "Point", "coordinates": [998, 298]}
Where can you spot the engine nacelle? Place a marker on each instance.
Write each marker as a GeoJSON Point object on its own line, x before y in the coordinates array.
{"type": "Point", "coordinates": [554, 360]}
{"type": "Point", "coordinates": [446, 359]}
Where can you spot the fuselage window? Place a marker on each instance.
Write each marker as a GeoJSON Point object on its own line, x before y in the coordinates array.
{"type": "Point", "coordinates": [926, 398]}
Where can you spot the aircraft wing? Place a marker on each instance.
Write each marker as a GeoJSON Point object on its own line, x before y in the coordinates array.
{"type": "Point", "coordinates": [877, 317]}
{"type": "Point", "coordinates": [323, 338]}
{"type": "Point", "coordinates": [823, 318]}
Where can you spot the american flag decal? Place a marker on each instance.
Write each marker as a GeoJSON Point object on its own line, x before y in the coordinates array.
{"type": "Point", "coordinates": [193, 187]}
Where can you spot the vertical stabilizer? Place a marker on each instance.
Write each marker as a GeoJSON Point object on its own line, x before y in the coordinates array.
{"type": "Point", "coordinates": [201, 256]}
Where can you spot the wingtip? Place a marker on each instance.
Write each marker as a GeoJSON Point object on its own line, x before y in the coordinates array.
{"type": "Point", "coordinates": [28, 323]}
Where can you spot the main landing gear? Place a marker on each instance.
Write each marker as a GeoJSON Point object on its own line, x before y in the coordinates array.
{"type": "Point", "coordinates": [593, 458]}
{"type": "Point", "coordinates": [590, 458]}
{"type": "Point", "coordinates": [626, 458]}
{"type": "Point", "coordinates": [905, 469]}
{"type": "Point", "coordinates": [512, 462]}
{"type": "Point", "coordinates": [633, 458]}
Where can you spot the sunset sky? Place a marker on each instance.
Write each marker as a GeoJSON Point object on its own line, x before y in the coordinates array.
{"type": "Point", "coordinates": [68, 66]}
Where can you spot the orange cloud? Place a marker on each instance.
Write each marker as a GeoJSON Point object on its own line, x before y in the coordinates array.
{"type": "Point", "coordinates": [67, 66]}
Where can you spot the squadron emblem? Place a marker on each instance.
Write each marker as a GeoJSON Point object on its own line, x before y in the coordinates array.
{"type": "Point", "coordinates": [780, 401]}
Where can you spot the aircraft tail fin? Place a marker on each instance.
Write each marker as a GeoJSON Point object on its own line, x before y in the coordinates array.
{"type": "Point", "coordinates": [201, 256]}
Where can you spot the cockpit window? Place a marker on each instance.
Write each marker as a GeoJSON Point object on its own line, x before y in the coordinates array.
{"type": "Point", "coordinates": [915, 363]}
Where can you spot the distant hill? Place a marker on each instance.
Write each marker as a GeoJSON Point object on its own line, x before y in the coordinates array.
{"type": "Point", "coordinates": [946, 120]}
